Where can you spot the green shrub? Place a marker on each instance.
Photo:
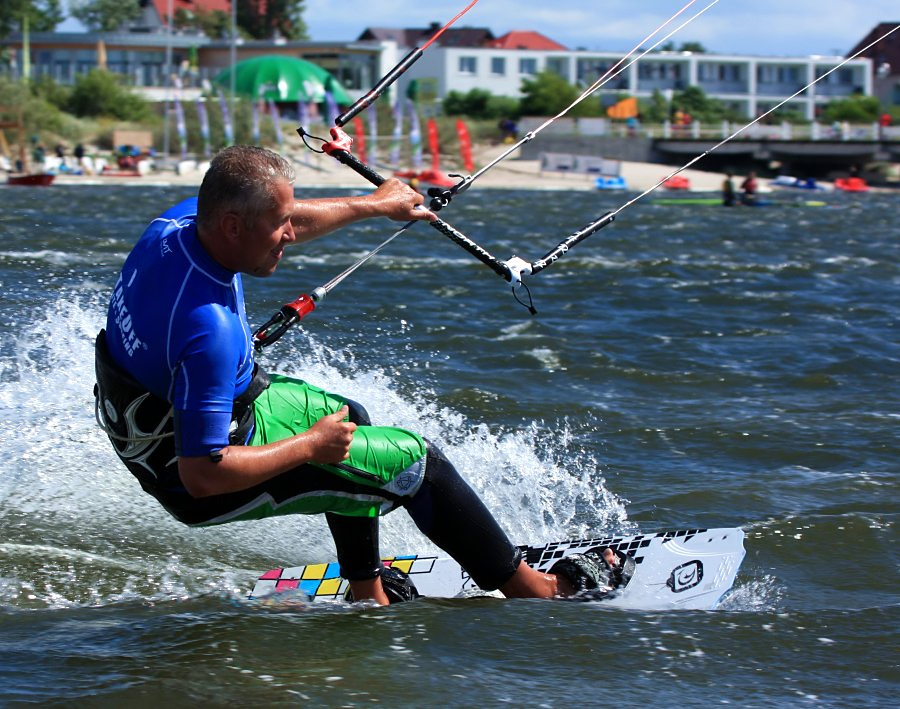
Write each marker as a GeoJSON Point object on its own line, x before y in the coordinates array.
{"type": "Point", "coordinates": [40, 113]}
{"type": "Point", "coordinates": [46, 88]}
{"type": "Point", "coordinates": [856, 109]}
{"type": "Point", "coordinates": [548, 93]}
{"type": "Point", "coordinates": [480, 104]}
{"type": "Point", "coordinates": [101, 93]}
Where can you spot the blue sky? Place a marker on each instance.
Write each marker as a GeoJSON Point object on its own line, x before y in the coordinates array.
{"type": "Point", "coordinates": [763, 27]}
{"type": "Point", "coordinates": [766, 27]}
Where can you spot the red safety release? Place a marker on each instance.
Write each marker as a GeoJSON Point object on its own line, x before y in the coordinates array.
{"type": "Point", "coordinates": [280, 322]}
{"type": "Point", "coordinates": [303, 306]}
{"type": "Point", "coordinates": [340, 140]}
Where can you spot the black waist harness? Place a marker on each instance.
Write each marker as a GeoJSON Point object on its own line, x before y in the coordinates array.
{"type": "Point", "coordinates": [140, 424]}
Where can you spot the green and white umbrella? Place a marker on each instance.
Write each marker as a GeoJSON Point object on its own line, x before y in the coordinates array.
{"type": "Point", "coordinates": [282, 78]}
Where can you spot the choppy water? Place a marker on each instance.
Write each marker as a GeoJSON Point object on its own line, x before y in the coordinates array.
{"type": "Point", "coordinates": [689, 367]}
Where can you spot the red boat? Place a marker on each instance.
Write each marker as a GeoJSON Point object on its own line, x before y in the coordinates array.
{"type": "Point", "coordinates": [851, 184]}
{"type": "Point", "coordinates": [24, 177]}
{"type": "Point", "coordinates": [678, 182]}
{"type": "Point", "coordinates": [41, 179]}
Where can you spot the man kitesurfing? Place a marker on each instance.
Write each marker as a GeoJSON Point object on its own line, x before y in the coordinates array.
{"type": "Point", "coordinates": [215, 439]}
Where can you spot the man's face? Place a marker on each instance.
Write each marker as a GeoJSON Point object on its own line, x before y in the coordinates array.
{"type": "Point", "coordinates": [262, 245]}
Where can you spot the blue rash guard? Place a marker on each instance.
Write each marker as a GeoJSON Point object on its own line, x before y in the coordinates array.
{"type": "Point", "coordinates": [177, 324]}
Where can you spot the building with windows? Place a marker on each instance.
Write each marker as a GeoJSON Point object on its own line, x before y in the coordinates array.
{"type": "Point", "coordinates": [149, 51]}
{"type": "Point", "coordinates": [148, 59]}
{"type": "Point", "coordinates": [148, 54]}
{"type": "Point", "coordinates": [750, 85]}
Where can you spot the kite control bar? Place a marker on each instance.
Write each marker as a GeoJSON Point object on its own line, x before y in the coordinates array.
{"type": "Point", "coordinates": [512, 270]}
{"type": "Point", "coordinates": [339, 148]}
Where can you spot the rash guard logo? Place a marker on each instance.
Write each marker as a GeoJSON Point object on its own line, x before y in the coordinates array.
{"type": "Point", "coordinates": [686, 576]}
{"type": "Point", "coordinates": [129, 338]}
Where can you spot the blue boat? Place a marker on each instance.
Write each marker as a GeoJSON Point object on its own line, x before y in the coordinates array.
{"type": "Point", "coordinates": [610, 183]}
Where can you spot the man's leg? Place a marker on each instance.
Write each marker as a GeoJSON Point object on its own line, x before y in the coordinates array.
{"type": "Point", "coordinates": [356, 541]}
{"type": "Point", "coordinates": [451, 515]}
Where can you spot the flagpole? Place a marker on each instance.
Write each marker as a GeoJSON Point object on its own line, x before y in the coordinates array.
{"type": "Point", "coordinates": [233, 57]}
{"type": "Point", "coordinates": [26, 49]}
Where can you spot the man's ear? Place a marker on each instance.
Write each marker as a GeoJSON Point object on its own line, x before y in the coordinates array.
{"type": "Point", "coordinates": [231, 226]}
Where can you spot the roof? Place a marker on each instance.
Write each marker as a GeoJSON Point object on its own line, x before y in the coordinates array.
{"type": "Point", "coordinates": [415, 37]}
{"type": "Point", "coordinates": [153, 15]}
{"type": "Point", "coordinates": [162, 6]}
{"type": "Point", "coordinates": [524, 39]}
{"type": "Point", "coordinates": [887, 51]}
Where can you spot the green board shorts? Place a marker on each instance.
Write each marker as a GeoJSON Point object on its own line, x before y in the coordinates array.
{"type": "Point", "coordinates": [385, 465]}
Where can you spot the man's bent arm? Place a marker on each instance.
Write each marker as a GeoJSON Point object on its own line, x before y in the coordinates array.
{"type": "Point", "coordinates": [242, 467]}
{"type": "Point", "coordinates": [394, 199]}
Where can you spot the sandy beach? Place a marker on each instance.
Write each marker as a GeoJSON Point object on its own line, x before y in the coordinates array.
{"type": "Point", "coordinates": [324, 171]}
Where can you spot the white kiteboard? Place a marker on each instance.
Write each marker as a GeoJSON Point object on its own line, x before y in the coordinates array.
{"type": "Point", "coordinates": [689, 568]}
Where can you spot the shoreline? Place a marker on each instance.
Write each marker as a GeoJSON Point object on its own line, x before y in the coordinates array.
{"type": "Point", "coordinates": [322, 171]}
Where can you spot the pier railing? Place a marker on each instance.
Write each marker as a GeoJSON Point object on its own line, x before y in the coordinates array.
{"type": "Point", "coordinates": [696, 130]}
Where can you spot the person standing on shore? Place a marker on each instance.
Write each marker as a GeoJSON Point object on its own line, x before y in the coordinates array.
{"type": "Point", "coordinates": [215, 439]}
{"type": "Point", "coordinates": [728, 194]}
{"type": "Point", "coordinates": [748, 189]}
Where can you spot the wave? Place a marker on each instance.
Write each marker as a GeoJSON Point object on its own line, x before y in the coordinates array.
{"type": "Point", "coordinates": [78, 530]}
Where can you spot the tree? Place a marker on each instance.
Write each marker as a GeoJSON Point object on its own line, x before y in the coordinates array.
{"type": "Point", "coordinates": [548, 94]}
{"type": "Point", "coordinates": [264, 19]}
{"type": "Point", "coordinates": [104, 15]}
{"type": "Point", "coordinates": [693, 100]}
{"type": "Point", "coordinates": [215, 24]}
{"type": "Point", "coordinates": [694, 47]}
{"type": "Point", "coordinates": [856, 109]}
{"type": "Point", "coordinates": [655, 109]}
{"type": "Point", "coordinates": [480, 103]}
{"type": "Point", "coordinates": [43, 15]}
{"type": "Point", "coordinates": [99, 93]}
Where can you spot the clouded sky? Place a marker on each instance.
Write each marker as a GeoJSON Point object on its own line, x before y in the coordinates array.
{"type": "Point", "coordinates": [766, 27]}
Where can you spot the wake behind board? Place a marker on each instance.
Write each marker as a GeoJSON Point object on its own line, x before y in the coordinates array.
{"type": "Point", "coordinates": [689, 568]}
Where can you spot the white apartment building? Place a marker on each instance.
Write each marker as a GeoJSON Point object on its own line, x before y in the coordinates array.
{"type": "Point", "coordinates": [749, 84]}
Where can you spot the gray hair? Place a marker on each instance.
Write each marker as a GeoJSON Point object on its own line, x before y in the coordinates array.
{"type": "Point", "coordinates": [240, 179]}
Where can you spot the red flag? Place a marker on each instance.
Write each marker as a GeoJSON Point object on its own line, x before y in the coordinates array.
{"type": "Point", "coordinates": [434, 146]}
{"type": "Point", "coordinates": [465, 145]}
{"type": "Point", "coordinates": [360, 138]}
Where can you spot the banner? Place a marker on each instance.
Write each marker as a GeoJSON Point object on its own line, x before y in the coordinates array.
{"type": "Point", "coordinates": [180, 126]}
{"type": "Point", "coordinates": [331, 108]}
{"type": "Point", "coordinates": [203, 119]}
{"type": "Point", "coordinates": [415, 136]}
{"type": "Point", "coordinates": [360, 137]}
{"type": "Point", "coordinates": [227, 126]}
{"type": "Point", "coordinates": [373, 134]}
{"type": "Point", "coordinates": [626, 108]}
{"type": "Point", "coordinates": [465, 145]}
{"type": "Point", "coordinates": [255, 129]}
{"type": "Point", "coordinates": [276, 121]}
{"type": "Point", "coordinates": [434, 145]}
{"type": "Point", "coordinates": [303, 114]}
{"type": "Point", "coordinates": [394, 157]}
